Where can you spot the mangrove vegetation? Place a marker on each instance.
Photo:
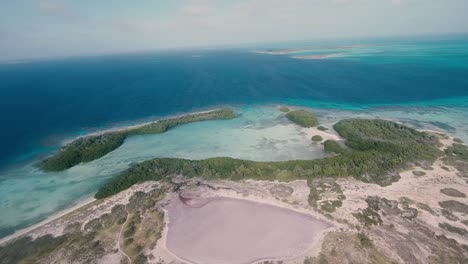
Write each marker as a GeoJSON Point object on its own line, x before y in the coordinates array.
{"type": "Point", "coordinates": [303, 118]}
{"type": "Point", "coordinates": [90, 148]}
{"type": "Point", "coordinates": [377, 150]}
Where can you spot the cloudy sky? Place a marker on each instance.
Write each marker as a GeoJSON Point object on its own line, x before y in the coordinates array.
{"type": "Point", "coordinates": [46, 28]}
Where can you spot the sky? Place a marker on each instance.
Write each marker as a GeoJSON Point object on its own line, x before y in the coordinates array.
{"type": "Point", "coordinates": [57, 28]}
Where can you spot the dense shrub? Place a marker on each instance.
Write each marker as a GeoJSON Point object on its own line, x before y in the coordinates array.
{"type": "Point", "coordinates": [317, 138]}
{"type": "Point", "coordinates": [303, 118]}
{"type": "Point", "coordinates": [377, 149]}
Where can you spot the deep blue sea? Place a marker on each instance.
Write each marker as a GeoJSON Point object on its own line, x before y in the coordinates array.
{"type": "Point", "coordinates": [45, 102]}
{"type": "Point", "coordinates": [41, 102]}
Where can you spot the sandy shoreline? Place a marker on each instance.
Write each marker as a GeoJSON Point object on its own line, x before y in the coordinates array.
{"type": "Point", "coordinates": [128, 127]}
{"type": "Point", "coordinates": [329, 134]}
{"type": "Point", "coordinates": [49, 219]}
{"type": "Point", "coordinates": [280, 52]}
{"type": "Point", "coordinates": [316, 57]}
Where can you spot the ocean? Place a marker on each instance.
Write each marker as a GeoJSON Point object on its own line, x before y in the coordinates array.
{"type": "Point", "coordinates": [420, 82]}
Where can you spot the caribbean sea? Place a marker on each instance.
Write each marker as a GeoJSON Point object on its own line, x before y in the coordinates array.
{"type": "Point", "coordinates": [420, 82]}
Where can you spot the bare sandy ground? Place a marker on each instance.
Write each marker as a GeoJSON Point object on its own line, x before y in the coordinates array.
{"type": "Point", "coordinates": [326, 135]}
{"type": "Point", "coordinates": [227, 230]}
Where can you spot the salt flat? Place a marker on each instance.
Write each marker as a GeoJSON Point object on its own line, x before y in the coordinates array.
{"type": "Point", "coordinates": [227, 230]}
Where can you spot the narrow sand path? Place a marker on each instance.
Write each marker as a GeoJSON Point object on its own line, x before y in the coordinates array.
{"type": "Point", "coordinates": [120, 236]}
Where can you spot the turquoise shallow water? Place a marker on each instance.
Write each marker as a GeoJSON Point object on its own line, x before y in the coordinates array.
{"type": "Point", "coordinates": [261, 132]}
{"type": "Point", "coordinates": [44, 102]}
{"type": "Point", "coordinates": [420, 82]}
{"type": "Point", "coordinates": [439, 52]}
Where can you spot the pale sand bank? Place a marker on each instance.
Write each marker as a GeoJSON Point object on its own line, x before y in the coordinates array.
{"type": "Point", "coordinates": [129, 127]}
{"type": "Point", "coordinates": [227, 230]}
{"type": "Point", "coordinates": [316, 57]}
{"type": "Point", "coordinates": [330, 134]}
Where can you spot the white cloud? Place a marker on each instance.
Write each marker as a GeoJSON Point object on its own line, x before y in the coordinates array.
{"type": "Point", "coordinates": [56, 8]}
{"type": "Point", "coordinates": [216, 22]}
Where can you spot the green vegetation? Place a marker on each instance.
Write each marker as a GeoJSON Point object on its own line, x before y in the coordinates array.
{"type": "Point", "coordinates": [303, 118]}
{"type": "Point", "coordinates": [73, 247]}
{"type": "Point", "coordinates": [405, 201]}
{"type": "Point", "coordinates": [458, 150]}
{"type": "Point", "coordinates": [447, 214]}
{"type": "Point", "coordinates": [425, 207]}
{"type": "Point", "coordinates": [458, 140]}
{"type": "Point", "coordinates": [453, 192]}
{"type": "Point", "coordinates": [454, 206]}
{"type": "Point", "coordinates": [322, 128]}
{"type": "Point", "coordinates": [457, 156]}
{"type": "Point", "coordinates": [364, 240]}
{"type": "Point", "coordinates": [370, 216]}
{"type": "Point", "coordinates": [453, 229]}
{"type": "Point", "coordinates": [350, 247]}
{"type": "Point", "coordinates": [83, 150]}
{"type": "Point", "coordinates": [284, 109]}
{"type": "Point", "coordinates": [419, 173]}
{"type": "Point", "coordinates": [330, 206]}
{"type": "Point", "coordinates": [99, 236]}
{"type": "Point", "coordinates": [321, 188]}
{"type": "Point", "coordinates": [322, 259]}
{"type": "Point", "coordinates": [87, 149]}
{"type": "Point", "coordinates": [448, 250]}
{"type": "Point", "coordinates": [331, 146]}
{"type": "Point", "coordinates": [378, 149]}
{"type": "Point", "coordinates": [317, 138]}
{"type": "Point", "coordinates": [25, 250]}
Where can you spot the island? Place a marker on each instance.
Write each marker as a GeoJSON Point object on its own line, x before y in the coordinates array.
{"type": "Point", "coordinates": [89, 148]}
{"type": "Point", "coordinates": [387, 193]}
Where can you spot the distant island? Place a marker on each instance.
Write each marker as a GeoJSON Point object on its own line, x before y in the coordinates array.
{"type": "Point", "coordinates": [89, 148]}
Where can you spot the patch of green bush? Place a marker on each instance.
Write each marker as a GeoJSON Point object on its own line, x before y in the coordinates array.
{"type": "Point", "coordinates": [331, 146]}
{"type": "Point", "coordinates": [364, 240]}
{"type": "Point", "coordinates": [322, 128]}
{"type": "Point", "coordinates": [317, 138]}
{"type": "Point", "coordinates": [454, 229]}
{"type": "Point", "coordinates": [303, 118]}
{"type": "Point", "coordinates": [454, 206]}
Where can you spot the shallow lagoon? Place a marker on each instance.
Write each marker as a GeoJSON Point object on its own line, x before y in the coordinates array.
{"type": "Point", "coordinates": [260, 133]}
